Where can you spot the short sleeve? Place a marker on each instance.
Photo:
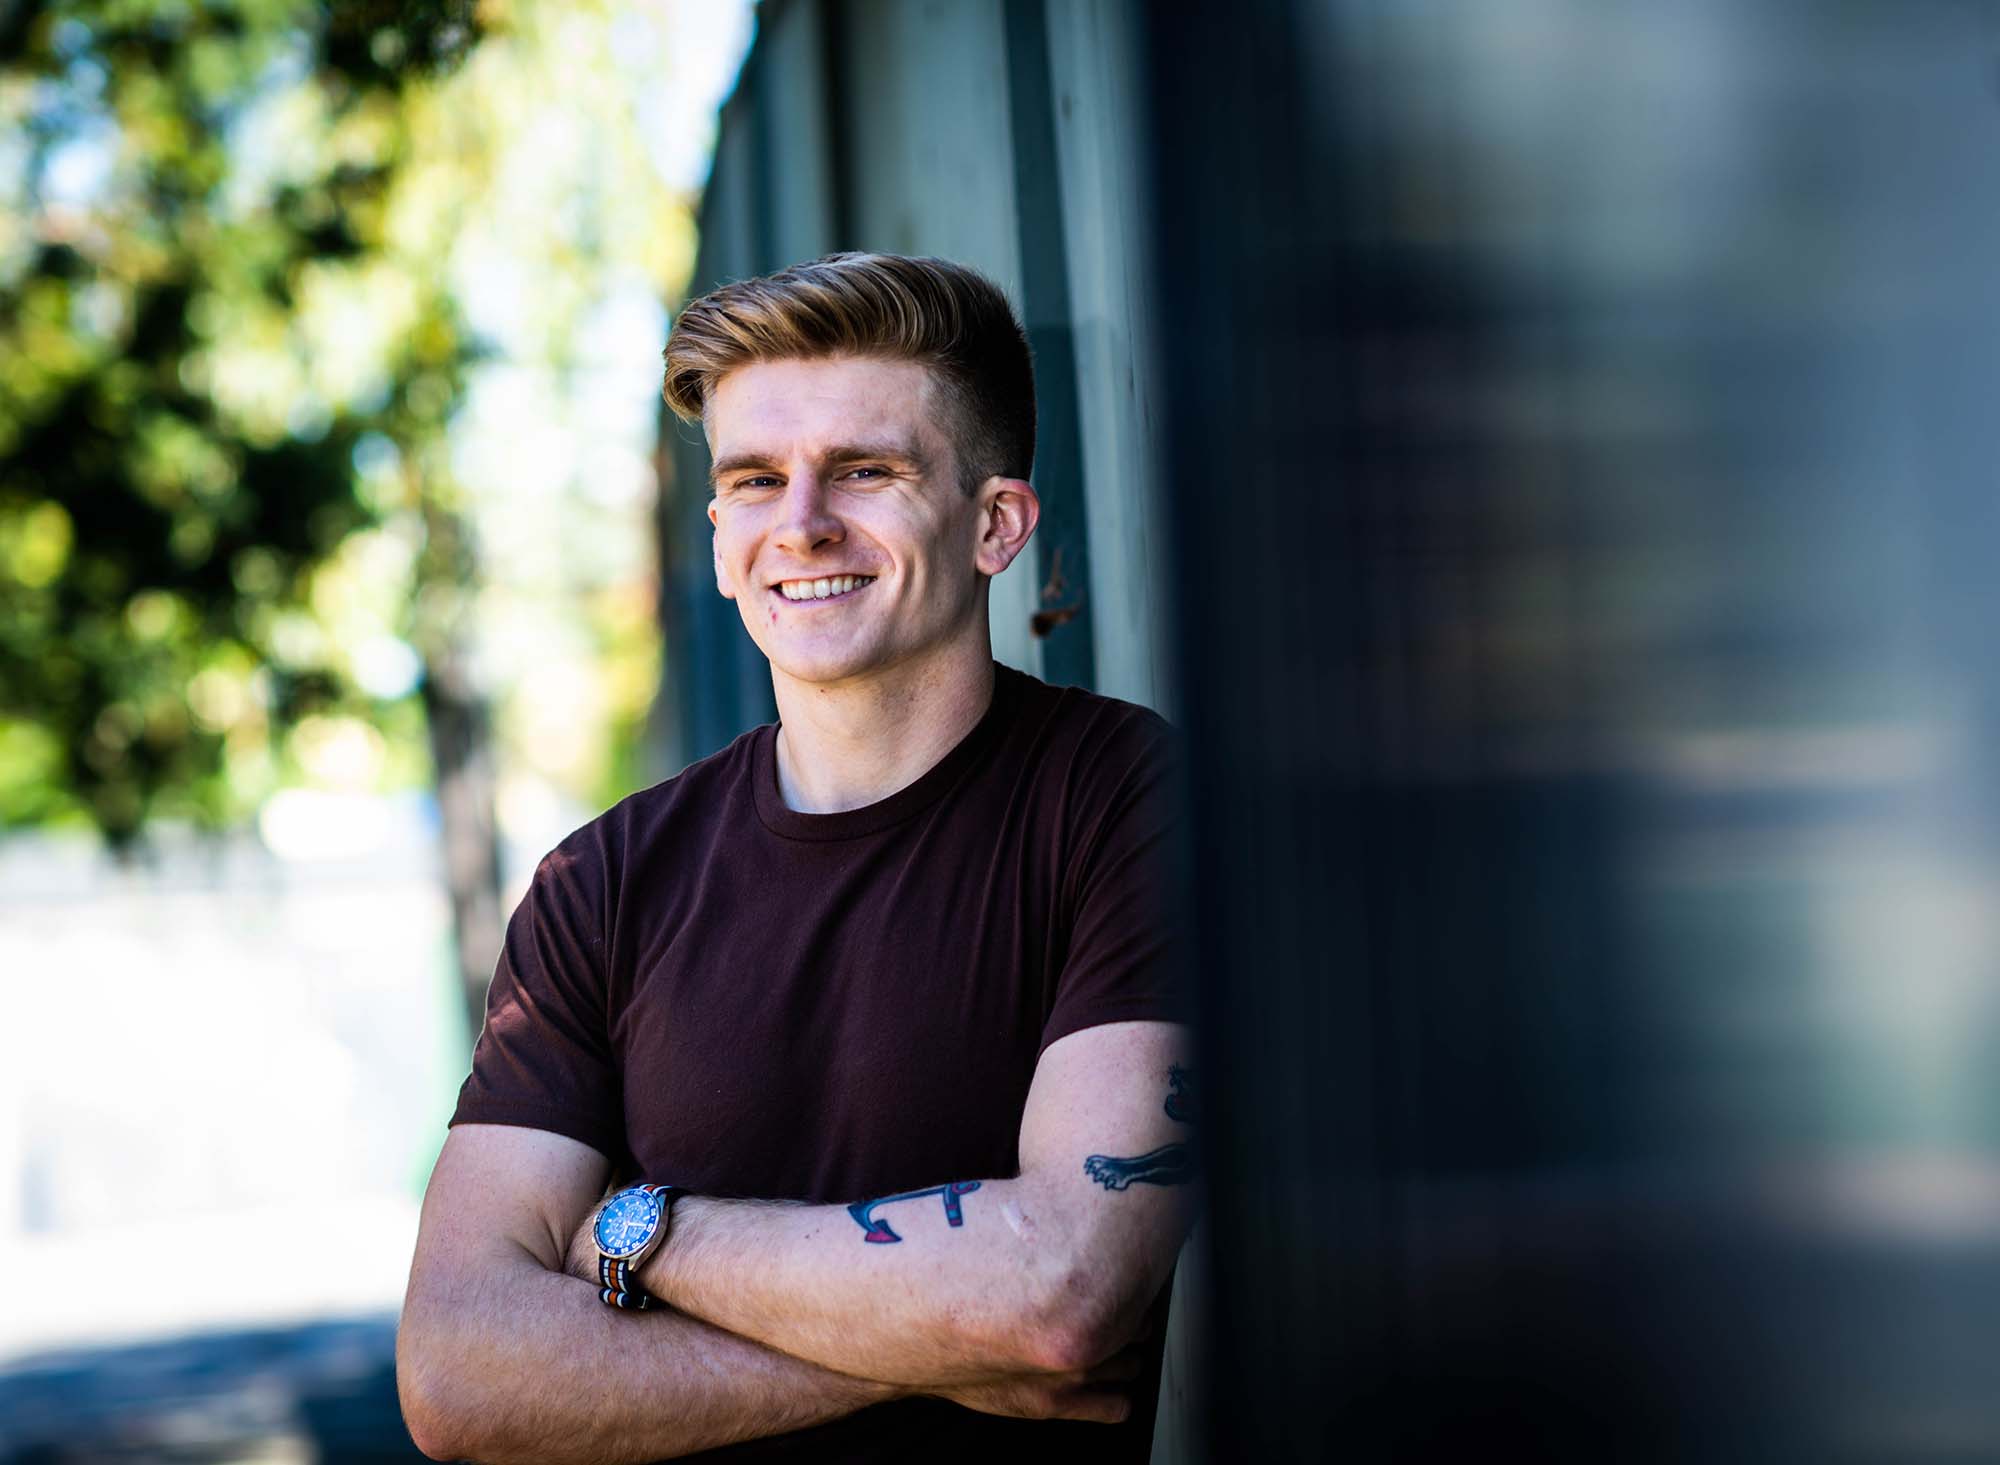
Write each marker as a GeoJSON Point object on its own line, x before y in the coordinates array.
{"type": "Point", "coordinates": [543, 1059]}
{"type": "Point", "coordinates": [1126, 959]}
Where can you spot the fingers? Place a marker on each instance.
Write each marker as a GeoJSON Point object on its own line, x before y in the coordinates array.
{"type": "Point", "coordinates": [1097, 1406]}
{"type": "Point", "coordinates": [1100, 1394]}
{"type": "Point", "coordinates": [1046, 1398]}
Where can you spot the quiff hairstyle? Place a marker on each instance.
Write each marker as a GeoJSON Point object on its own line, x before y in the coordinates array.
{"type": "Point", "coordinates": [893, 307]}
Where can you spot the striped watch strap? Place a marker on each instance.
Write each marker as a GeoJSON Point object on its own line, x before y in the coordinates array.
{"type": "Point", "coordinates": [616, 1274]}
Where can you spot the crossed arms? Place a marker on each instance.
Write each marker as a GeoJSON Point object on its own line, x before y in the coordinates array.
{"type": "Point", "coordinates": [1012, 1295]}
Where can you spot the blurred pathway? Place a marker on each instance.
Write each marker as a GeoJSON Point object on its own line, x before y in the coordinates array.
{"type": "Point", "coordinates": [223, 1077]}
{"type": "Point", "coordinates": [322, 1392]}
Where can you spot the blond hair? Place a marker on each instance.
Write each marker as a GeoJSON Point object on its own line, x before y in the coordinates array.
{"type": "Point", "coordinates": [938, 314]}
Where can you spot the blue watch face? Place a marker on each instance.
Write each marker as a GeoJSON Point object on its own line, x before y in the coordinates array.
{"type": "Point", "coordinates": [627, 1222]}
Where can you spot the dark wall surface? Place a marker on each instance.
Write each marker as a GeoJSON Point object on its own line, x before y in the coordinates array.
{"type": "Point", "coordinates": [1580, 423]}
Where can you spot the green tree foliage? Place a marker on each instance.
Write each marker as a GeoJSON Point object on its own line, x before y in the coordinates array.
{"type": "Point", "coordinates": [185, 191]}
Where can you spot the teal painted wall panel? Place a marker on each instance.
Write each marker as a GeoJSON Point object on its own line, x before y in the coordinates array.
{"type": "Point", "coordinates": [1100, 144]}
{"type": "Point", "coordinates": [794, 115]}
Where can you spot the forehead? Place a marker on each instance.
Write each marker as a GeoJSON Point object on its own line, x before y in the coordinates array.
{"type": "Point", "coordinates": [778, 406]}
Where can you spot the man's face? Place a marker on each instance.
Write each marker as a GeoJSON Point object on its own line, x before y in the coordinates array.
{"type": "Point", "coordinates": [841, 471]}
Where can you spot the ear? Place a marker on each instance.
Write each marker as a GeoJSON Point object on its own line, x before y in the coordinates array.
{"type": "Point", "coordinates": [722, 585]}
{"type": "Point", "coordinates": [1008, 512]}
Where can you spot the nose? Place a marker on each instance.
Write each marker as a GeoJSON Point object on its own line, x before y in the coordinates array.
{"type": "Point", "coordinates": [809, 522]}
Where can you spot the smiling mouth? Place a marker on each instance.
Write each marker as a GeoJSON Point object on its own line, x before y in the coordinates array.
{"type": "Point", "coordinates": [832, 587]}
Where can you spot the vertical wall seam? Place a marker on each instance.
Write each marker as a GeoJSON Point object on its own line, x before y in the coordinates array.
{"type": "Point", "coordinates": [1063, 616]}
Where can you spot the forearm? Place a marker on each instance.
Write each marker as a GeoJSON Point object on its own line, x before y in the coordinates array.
{"type": "Point", "coordinates": [510, 1361]}
{"type": "Point", "coordinates": [1048, 1272]}
{"type": "Point", "coordinates": [926, 1302]}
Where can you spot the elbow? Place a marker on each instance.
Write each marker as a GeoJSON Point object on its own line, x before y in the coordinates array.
{"type": "Point", "coordinates": [435, 1410]}
{"type": "Point", "coordinates": [441, 1426]}
{"type": "Point", "coordinates": [429, 1439]}
{"type": "Point", "coordinates": [430, 1426]}
{"type": "Point", "coordinates": [1076, 1324]}
{"type": "Point", "coordinates": [424, 1413]}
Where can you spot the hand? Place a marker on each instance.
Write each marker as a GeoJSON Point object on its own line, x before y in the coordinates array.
{"type": "Point", "coordinates": [1101, 1394]}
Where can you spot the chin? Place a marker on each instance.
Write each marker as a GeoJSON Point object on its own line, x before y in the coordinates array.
{"type": "Point", "coordinates": [822, 666]}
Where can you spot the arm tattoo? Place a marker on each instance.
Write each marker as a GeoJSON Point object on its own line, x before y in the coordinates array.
{"type": "Point", "coordinates": [874, 1229]}
{"type": "Point", "coordinates": [1169, 1164]}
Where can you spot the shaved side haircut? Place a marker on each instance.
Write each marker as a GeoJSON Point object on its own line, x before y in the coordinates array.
{"type": "Point", "coordinates": [942, 316]}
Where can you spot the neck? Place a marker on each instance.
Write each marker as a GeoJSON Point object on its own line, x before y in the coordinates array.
{"type": "Point", "coordinates": [847, 745]}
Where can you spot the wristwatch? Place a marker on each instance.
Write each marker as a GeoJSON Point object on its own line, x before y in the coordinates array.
{"type": "Point", "coordinates": [627, 1228]}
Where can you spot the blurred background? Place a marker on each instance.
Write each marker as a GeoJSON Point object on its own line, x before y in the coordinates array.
{"type": "Point", "coordinates": [1542, 453]}
{"type": "Point", "coordinates": [329, 443]}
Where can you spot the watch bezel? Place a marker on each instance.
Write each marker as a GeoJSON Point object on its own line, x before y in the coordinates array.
{"type": "Point", "coordinates": [654, 1199]}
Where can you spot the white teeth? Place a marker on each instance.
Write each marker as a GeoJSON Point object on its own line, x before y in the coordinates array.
{"type": "Point", "coordinates": [820, 589]}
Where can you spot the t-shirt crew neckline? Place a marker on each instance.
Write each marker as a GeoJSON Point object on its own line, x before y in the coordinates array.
{"type": "Point", "coordinates": [911, 799]}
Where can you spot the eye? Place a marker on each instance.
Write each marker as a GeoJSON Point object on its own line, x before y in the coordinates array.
{"type": "Point", "coordinates": [760, 480]}
{"type": "Point", "coordinates": [872, 472]}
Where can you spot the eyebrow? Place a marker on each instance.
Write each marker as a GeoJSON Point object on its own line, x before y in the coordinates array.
{"type": "Point", "coordinates": [891, 451]}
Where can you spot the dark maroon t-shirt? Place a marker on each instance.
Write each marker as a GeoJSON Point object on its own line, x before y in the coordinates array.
{"type": "Point", "coordinates": [713, 989]}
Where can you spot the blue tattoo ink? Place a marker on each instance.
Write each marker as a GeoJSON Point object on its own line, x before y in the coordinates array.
{"type": "Point", "coordinates": [877, 1230]}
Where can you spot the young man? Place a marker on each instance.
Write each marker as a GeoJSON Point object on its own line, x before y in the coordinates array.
{"type": "Point", "coordinates": [868, 1017]}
